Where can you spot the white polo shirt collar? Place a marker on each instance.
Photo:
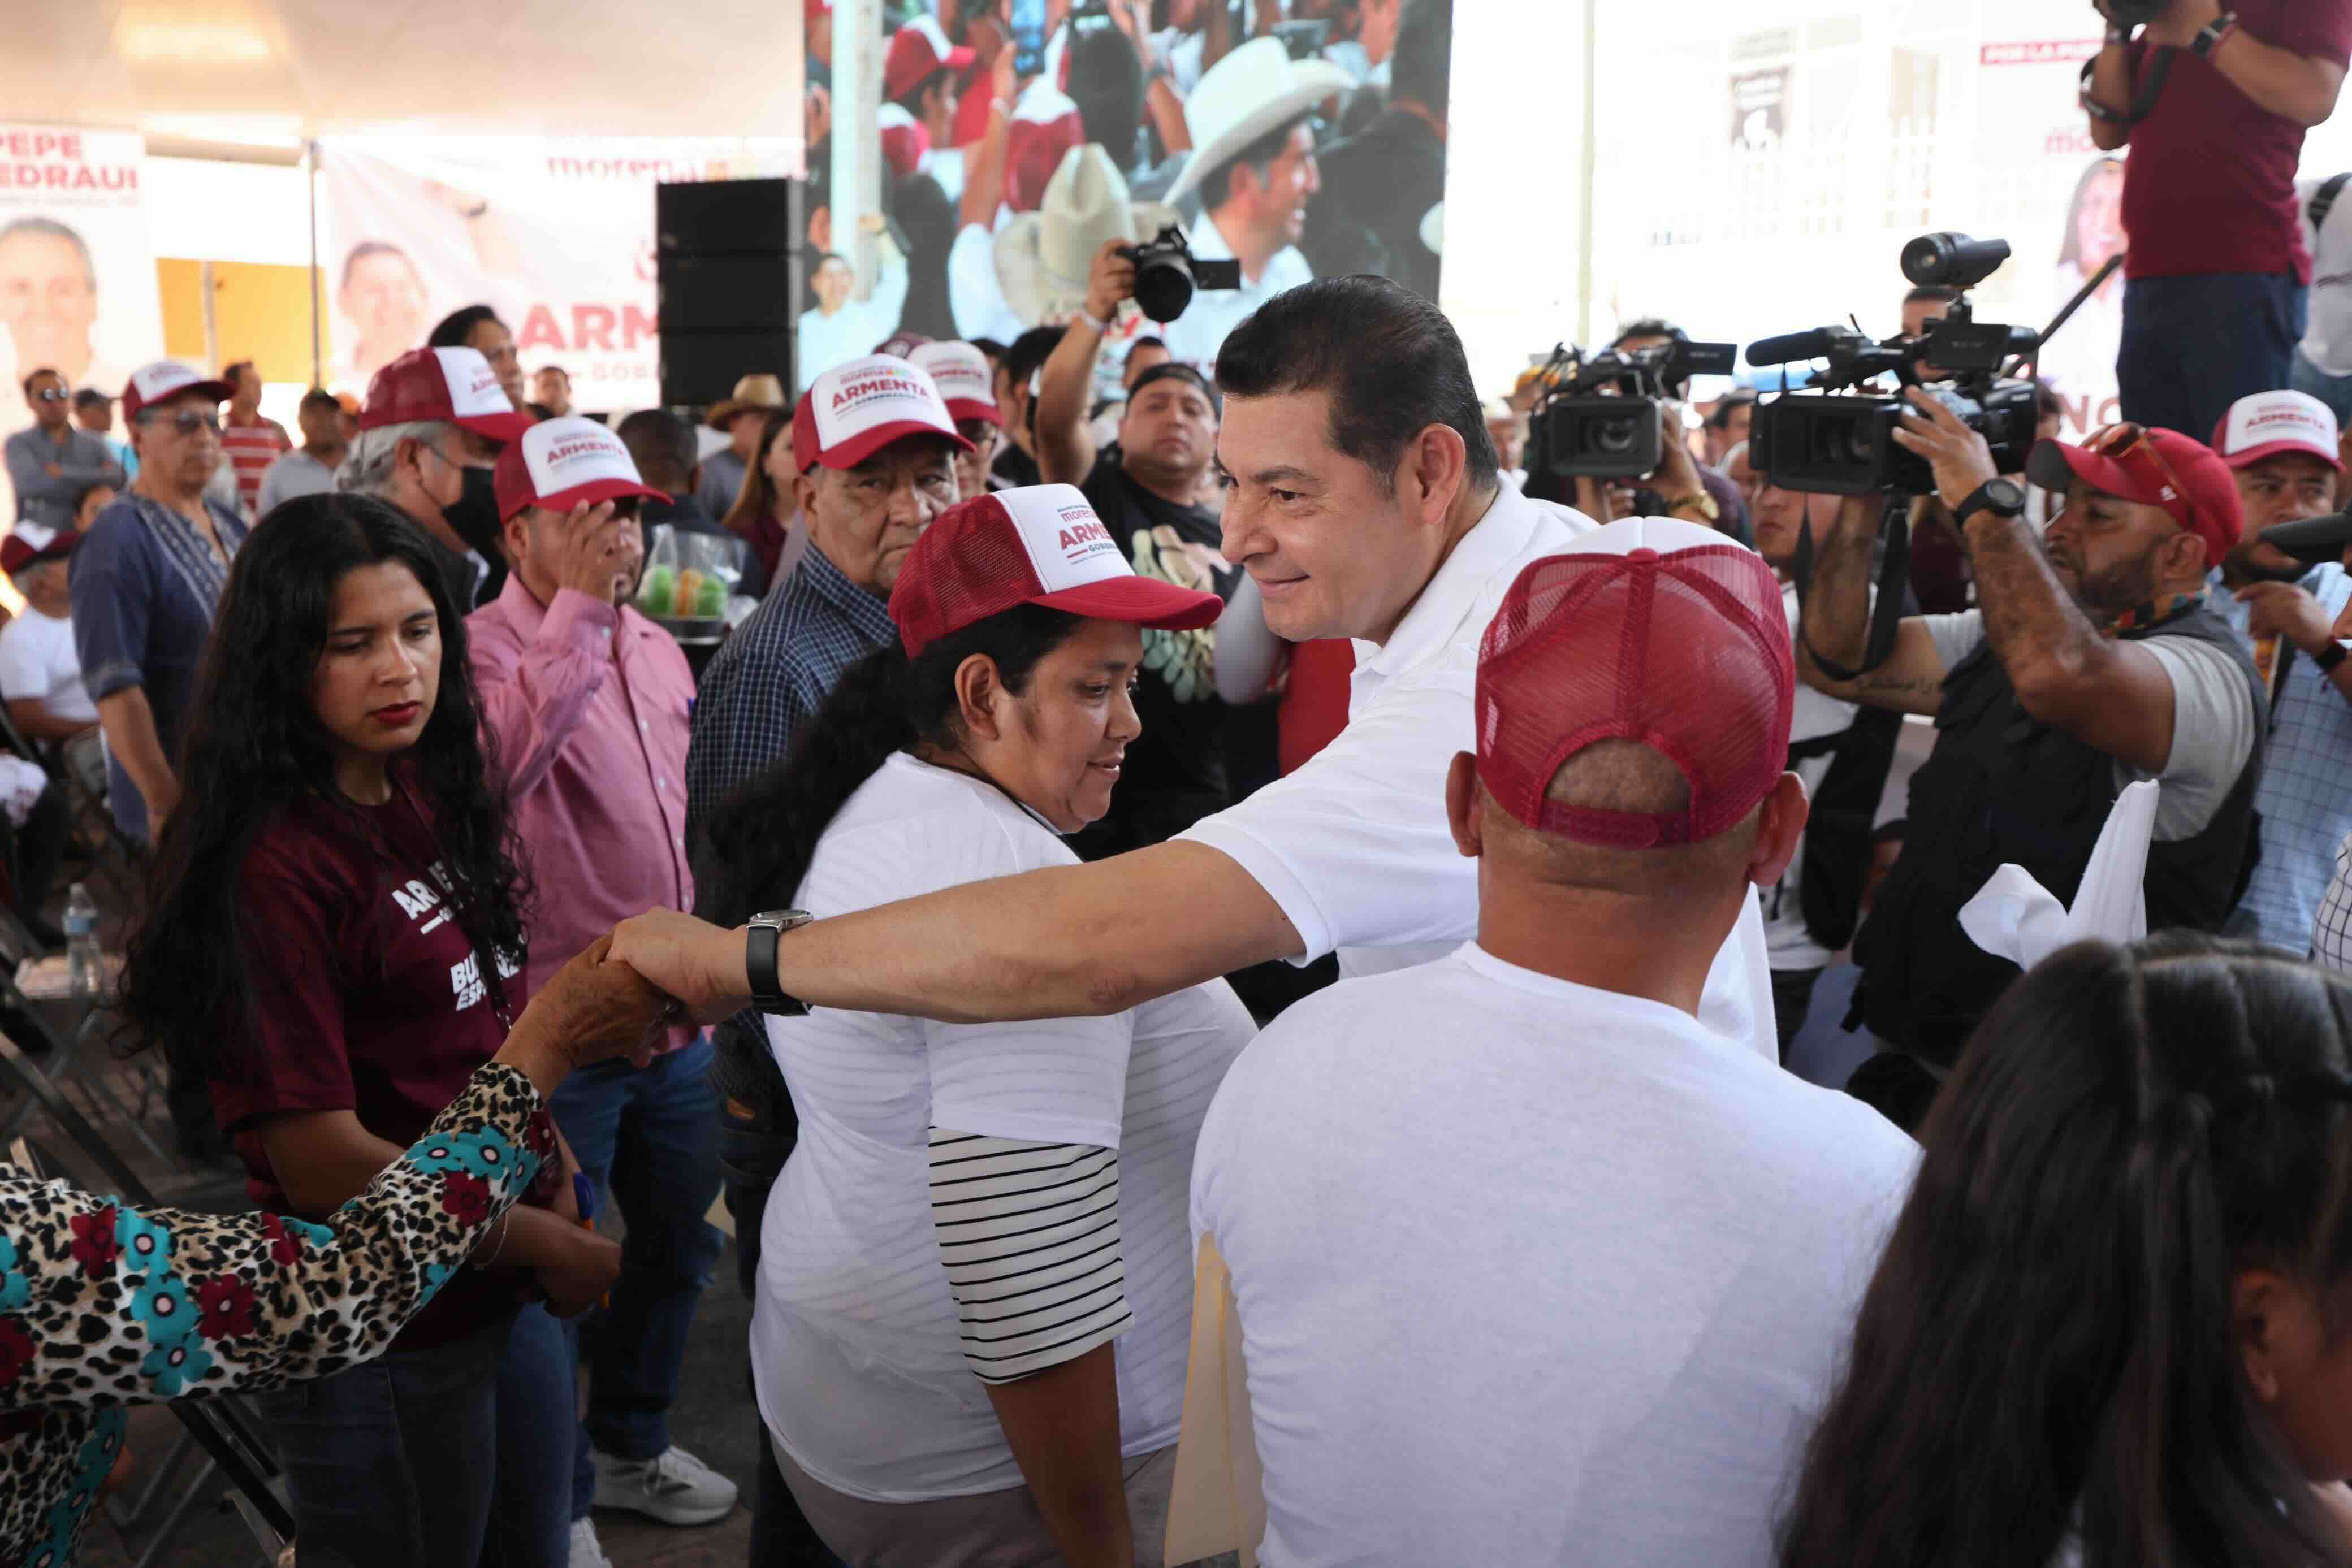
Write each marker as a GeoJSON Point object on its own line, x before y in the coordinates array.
{"type": "Point", "coordinates": [1433, 623]}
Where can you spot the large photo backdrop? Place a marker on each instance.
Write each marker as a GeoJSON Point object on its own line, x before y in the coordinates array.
{"type": "Point", "coordinates": [1301, 142]}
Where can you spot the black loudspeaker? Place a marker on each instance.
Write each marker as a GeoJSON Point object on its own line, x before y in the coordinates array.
{"type": "Point", "coordinates": [728, 255]}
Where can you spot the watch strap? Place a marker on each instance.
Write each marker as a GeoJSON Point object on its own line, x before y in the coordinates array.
{"type": "Point", "coordinates": [2328, 657]}
{"type": "Point", "coordinates": [1981, 499]}
{"type": "Point", "coordinates": [2208, 37]}
{"type": "Point", "coordinates": [760, 967]}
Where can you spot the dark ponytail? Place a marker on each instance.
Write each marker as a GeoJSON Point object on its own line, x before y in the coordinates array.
{"type": "Point", "coordinates": [2047, 1346]}
{"type": "Point", "coordinates": [762, 838]}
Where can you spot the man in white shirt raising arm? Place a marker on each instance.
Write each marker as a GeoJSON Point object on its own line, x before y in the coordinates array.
{"type": "Point", "coordinates": [1364, 501]}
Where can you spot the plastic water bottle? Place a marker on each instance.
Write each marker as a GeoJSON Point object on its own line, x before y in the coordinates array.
{"type": "Point", "coordinates": [83, 975]}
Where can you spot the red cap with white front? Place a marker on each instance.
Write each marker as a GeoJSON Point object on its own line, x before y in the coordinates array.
{"type": "Point", "coordinates": [559, 462]}
{"type": "Point", "coordinates": [165, 380]}
{"type": "Point", "coordinates": [960, 373]}
{"type": "Point", "coordinates": [2270, 422]}
{"type": "Point", "coordinates": [455, 386]}
{"type": "Point", "coordinates": [916, 50]}
{"type": "Point", "coordinates": [1041, 544]}
{"type": "Point", "coordinates": [1653, 631]}
{"type": "Point", "coordinates": [861, 405]}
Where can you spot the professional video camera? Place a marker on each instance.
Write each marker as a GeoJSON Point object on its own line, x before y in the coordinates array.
{"type": "Point", "coordinates": [1167, 274]}
{"type": "Point", "coordinates": [1845, 446]}
{"type": "Point", "coordinates": [1600, 416]}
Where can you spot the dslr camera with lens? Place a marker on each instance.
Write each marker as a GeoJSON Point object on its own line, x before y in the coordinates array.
{"type": "Point", "coordinates": [1818, 440]}
{"type": "Point", "coordinates": [1167, 274]}
{"type": "Point", "coordinates": [1600, 418]}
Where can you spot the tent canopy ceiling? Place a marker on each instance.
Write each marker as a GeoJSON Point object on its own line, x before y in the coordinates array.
{"type": "Point", "coordinates": [269, 73]}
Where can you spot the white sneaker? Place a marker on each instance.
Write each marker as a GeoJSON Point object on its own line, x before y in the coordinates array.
{"type": "Point", "coordinates": [674, 1487]}
{"type": "Point", "coordinates": [587, 1551]}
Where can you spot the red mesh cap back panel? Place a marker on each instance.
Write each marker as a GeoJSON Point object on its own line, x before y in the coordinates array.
{"type": "Point", "coordinates": [1686, 653]}
{"type": "Point", "coordinates": [967, 566]}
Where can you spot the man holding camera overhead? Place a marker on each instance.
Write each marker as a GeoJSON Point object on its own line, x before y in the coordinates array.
{"type": "Point", "coordinates": [2214, 104]}
{"type": "Point", "coordinates": [2096, 659]}
{"type": "Point", "coordinates": [1144, 493]}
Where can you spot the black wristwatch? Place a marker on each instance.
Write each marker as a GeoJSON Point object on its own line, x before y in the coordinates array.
{"type": "Point", "coordinates": [2327, 658]}
{"type": "Point", "coordinates": [2211, 34]}
{"type": "Point", "coordinates": [2003, 496]}
{"type": "Point", "coordinates": [760, 961]}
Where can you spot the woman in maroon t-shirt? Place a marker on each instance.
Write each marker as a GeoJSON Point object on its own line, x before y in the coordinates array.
{"type": "Point", "coordinates": [336, 922]}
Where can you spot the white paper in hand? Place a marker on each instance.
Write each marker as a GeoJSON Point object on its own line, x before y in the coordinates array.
{"type": "Point", "coordinates": [2015, 917]}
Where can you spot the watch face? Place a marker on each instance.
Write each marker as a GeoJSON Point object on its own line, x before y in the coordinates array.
{"type": "Point", "coordinates": [2006, 494]}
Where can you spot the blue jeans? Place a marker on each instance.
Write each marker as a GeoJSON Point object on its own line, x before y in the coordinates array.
{"type": "Point", "coordinates": [389, 1464]}
{"type": "Point", "coordinates": [2335, 391]}
{"type": "Point", "coordinates": [649, 1138]}
{"type": "Point", "coordinates": [2194, 345]}
{"type": "Point", "coordinates": [538, 1393]}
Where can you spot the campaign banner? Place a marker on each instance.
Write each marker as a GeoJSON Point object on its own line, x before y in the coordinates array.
{"type": "Point", "coordinates": [557, 236]}
{"type": "Point", "coordinates": [76, 273]}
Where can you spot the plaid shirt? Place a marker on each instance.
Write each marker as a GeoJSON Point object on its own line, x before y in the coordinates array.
{"type": "Point", "coordinates": [2305, 809]}
{"type": "Point", "coordinates": [774, 672]}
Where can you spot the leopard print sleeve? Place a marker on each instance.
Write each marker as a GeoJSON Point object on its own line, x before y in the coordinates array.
{"type": "Point", "coordinates": [104, 1305]}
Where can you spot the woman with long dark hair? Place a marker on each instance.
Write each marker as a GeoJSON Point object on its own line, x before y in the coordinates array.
{"type": "Point", "coordinates": [2109, 1328]}
{"type": "Point", "coordinates": [763, 514]}
{"type": "Point", "coordinates": [335, 923]}
{"type": "Point", "coordinates": [975, 1277]}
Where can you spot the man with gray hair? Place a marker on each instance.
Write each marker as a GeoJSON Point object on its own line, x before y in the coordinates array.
{"type": "Point", "coordinates": [428, 441]}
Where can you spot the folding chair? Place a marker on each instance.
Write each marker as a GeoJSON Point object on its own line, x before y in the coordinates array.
{"type": "Point", "coordinates": [221, 1426]}
{"type": "Point", "coordinates": [62, 1030]}
{"type": "Point", "coordinates": [115, 854]}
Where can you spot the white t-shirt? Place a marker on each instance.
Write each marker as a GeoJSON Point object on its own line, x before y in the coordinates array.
{"type": "Point", "coordinates": [38, 660]}
{"type": "Point", "coordinates": [1531, 1273]}
{"type": "Point", "coordinates": [1813, 714]}
{"type": "Point", "coordinates": [2212, 722]}
{"type": "Point", "coordinates": [1354, 846]}
{"type": "Point", "coordinates": [2328, 335]}
{"type": "Point", "coordinates": [855, 1351]}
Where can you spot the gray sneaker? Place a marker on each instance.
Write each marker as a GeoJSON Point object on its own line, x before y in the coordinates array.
{"type": "Point", "coordinates": [674, 1487]}
{"type": "Point", "coordinates": [587, 1551]}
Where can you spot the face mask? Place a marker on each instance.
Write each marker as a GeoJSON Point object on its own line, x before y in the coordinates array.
{"type": "Point", "coordinates": [475, 513]}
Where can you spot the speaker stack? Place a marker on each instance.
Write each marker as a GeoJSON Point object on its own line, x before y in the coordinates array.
{"type": "Point", "coordinates": [731, 276]}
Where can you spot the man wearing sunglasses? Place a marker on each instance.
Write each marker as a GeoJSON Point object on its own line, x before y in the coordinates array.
{"type": "Point", "coordinates": [2095, 658]}
{"type": "Point", "coordinates": [51, 463]}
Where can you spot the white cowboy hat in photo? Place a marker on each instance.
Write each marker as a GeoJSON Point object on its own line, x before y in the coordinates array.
{"type": "Point", "coordinates": [1043, 257]}
{"type": "Point", "coordinates": [1248, 93]}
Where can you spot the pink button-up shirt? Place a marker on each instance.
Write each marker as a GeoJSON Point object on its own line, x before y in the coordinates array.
{"type": "Point", "coordinates": [586, 706]}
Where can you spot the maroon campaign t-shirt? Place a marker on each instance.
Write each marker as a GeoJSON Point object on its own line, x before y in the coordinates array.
{"type": "Point", "coordinates": [368, 998]}
{"type": "Point", "coordinates": [2209, 184]}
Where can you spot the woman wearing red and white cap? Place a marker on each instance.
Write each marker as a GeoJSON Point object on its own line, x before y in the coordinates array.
{"type": "Point", "coordinates": [974, 1289]}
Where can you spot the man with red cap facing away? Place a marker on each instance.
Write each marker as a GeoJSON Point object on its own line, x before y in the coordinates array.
{"type": "Point", "coordinates": [585, 702]}
{"type": "Point", "coordinates": [2096, 658]}
{"type": "Point", "coordinates": [1570, 1286]}
{"type": "Point", "coordinates": [428, 441]}
{"type": "Point", "coordinates": [2282, 448]}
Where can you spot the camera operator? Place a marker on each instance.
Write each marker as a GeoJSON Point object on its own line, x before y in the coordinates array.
{"type": "Point", "coordinates": [2282, 447]}
{"type": "Point", "coordinates": [2095, 659]}
{"type": "Point", "coordinates": [1145, 493]}
{"type": "Point", "coordinates": [1843, 751]}
{"type": "Point", "coordinates": [1685, 489]}
{"type": "Point", "coordinates": [2214, 105]}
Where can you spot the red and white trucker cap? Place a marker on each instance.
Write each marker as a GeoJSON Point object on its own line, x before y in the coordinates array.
{"type": "Point", "coordinates": [1653, 631]}
{"type": "Point", "coordinates": [861, 405]}
{"type": "Point", "coordinates": [1041, 544]}
{"type": "Point", "coordinates": [453, 384]}
{"type": "Point", "coordinates": [916, 50]}
{"type": "Point", "coordinates": [559, 462]}
{"type": "Point", "coordinates": [166, 379]}
{"type": "Point", "coordinates": [960, 373]}
{"type": "Point", "coordinates": [2271, 423]}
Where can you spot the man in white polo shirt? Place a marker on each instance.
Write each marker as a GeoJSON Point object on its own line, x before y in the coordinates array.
{"type": "Point", "coordinates": [1365, 502]}
{"type": "Point", "coordinates": [1572, 1287]}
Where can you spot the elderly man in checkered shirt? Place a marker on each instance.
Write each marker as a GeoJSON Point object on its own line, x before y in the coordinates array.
{"type": "Point", "coordinates": [2282, 446]}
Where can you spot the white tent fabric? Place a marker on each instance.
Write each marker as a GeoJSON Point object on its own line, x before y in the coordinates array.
{"type": "Point", "coordinates": [273, 72]}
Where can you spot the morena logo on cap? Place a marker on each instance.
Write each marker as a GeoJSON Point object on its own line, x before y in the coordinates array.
{"type": "Point", "coordinates": [565, 453]}
{"type": "Point", "coordinates": [866, 395]}
{"type": "Point", "coordinates": [1067, 543]}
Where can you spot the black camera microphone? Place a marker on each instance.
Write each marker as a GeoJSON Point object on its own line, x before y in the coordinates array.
{"type": "Point", "coordinates": [2314, 541]}
{"type": "Point", "coordinates": [1790, 347]}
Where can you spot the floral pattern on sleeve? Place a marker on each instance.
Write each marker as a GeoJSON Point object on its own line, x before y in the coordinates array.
{"type": "Point", "coordinates": [103, 1306]}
